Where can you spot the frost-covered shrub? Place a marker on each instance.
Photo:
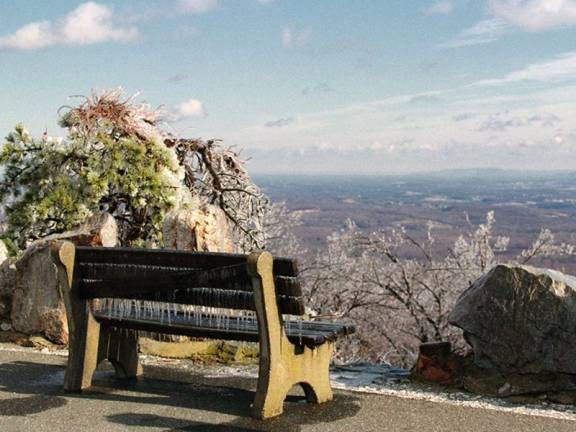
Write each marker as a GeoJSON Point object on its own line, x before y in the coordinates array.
{"type": "Point", "coordinates": [117, 158]}
{"type": "Point", "coordinates": [50, 185]}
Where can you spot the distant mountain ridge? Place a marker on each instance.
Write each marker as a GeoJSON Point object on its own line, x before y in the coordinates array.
{"type": "Point", "coordinates": [460, 172]}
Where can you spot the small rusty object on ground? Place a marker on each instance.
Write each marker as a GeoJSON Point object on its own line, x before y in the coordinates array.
{"type": "Point", "coordinates": [436, 363]}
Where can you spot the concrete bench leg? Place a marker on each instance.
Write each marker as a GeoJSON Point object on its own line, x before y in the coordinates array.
{"type": "Point", "coordinates": [120, 347]}
{"type": "Point", "coordinates": [282, 364]}
{"type": "Point", "coordinates": [270, 394]}
{"type": "Point", "coordinates": [84, 329]}
{"type": "Point", "coordinates": [82, 349]}
{"type": "Point", "coordinates": [285, 369]}
{"type": "Point", "coordinates": [315, 373]}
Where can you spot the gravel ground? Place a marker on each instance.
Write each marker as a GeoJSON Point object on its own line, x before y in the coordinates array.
{"type": "Point", "coordinates": [387, 380]}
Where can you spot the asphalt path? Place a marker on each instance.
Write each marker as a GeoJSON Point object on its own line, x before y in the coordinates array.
{"type": "Point", "coordinates": [169, 398]}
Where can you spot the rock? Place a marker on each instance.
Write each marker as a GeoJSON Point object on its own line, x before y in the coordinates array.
{"type": "Point", "coordinates": [3, 252]}
{"type": "Point", "coordinates": [10, 336]}
{"type": "Point", "coordinates": [7, 277]}
{"type": "Point", "coordinates": [37, 306]}
{"type": "Point", "coordinates": [208, 351]}
{"type": "Point", "coordinates": [202, 229]}
{"type": "Point", "coordinates": [520, 320]}
{"type": "Point", "coordinates": [41, 343]}
{"type": "Point", "coordinates": [185, 349]}
{"type": "Point", "coordinates": [99, 229]}
{"type": "Point", "coordinates": [436, 363]}
{"type": "Point", "coordinates": [491, 382]}
{"type": "Point", "coordinates": [563, 397]}
{"type": "Point", "coordinates": [7, 282]}
{"type": "Point", "coordinates": [195, 227]}
{"type": "Point", "coordinates": [239, 353]}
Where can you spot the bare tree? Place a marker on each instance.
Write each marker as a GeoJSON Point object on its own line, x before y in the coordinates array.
{"type": "Point", "coordinates": [399, 290]}
{"type": "Point", "coordinates": [216, 175]}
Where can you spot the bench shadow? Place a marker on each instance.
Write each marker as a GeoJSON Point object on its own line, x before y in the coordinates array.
{"type": "Point", "coordinates": [176, 424]}
{"type": "Point", "coordinates": [165, 386]}
{"type": "Point", "coordinates": [26, 378]}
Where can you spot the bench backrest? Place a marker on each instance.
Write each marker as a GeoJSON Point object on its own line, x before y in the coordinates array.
{"type": "Point", "coordinates": [196, 278]}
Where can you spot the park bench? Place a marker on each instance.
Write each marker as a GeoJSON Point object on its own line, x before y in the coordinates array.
{"type": "Point", "coordinates": [113, 294]}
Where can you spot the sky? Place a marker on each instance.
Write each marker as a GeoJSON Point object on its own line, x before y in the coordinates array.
{"type": "Point", "coordinates": [313, 86]}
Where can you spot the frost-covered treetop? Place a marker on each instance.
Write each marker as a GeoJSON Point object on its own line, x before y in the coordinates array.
{"type": "Point", "coordinates": [117, 158]}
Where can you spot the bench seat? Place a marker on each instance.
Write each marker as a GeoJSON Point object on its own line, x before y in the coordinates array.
{"type": "Point", "coordinates": [309, 333]}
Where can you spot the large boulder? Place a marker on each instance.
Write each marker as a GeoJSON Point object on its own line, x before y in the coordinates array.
{"type": "Point", "coordinates": [7, 282]}
{"type": "Point", "coordinates": [201, 229]}
{"type": "Point", "coordinates": [555, 387]}
{"type": "Point", "coordinates": [192, 227]}
{"type": "Point", "coordinates": [37, 305]}
{"type": "Point", "coordinates": [520, 320]}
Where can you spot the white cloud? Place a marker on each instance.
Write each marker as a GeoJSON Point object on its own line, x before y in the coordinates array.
{"type": "Point", "coordinates": [443, 7]}
{"type": "Point", "coordinates": [89, 23]}
{"type": "Point", "coordinates": [535, 15]}
{"type": "Point", "coordinates": [287, 37]}
{"type": "Point", "coordinates": [32, 36]}
{"type": "Point", "coordinates": [503, 121]}
{"type": "Point", "coordinates": [322, 88]}
{"type": "Point", "coordinates": [562, 68]}
{"type": "Point", "coordinates": [529, 15]}
{"type": "Point", "coordinates": [485, 28]}
{"type": "Point", "coordinates": [281, 122]}
{"type": "Point", "coordinates": [196, 6]}
{"type": "Point", "coordinates": [295, 38]}
{"type": "Point", "coordinates": [192, 108]}
{"type": "Point", "coordinates": [485, 31]}
{"type": "Point", "coordinates": [495, 126]}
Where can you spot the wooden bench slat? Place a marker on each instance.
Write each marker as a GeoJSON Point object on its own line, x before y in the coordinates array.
{"type": "Point", "coordinates": [342, 328]}
{"type": "Point", "coordinates": [300, 332]}
{"type": "Point", "coordinates": [231, 277]}
{"type": "Point", "coordinates": [218, 298]}
{"type": "Point", "coordinates": [240, 300]}
{"type": "Point", "coordinates": [175, 258]}
{"type": "Point", "coordinates": [288, 285]}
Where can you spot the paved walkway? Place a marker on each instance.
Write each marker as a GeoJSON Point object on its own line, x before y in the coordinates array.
{"type": "Point", "coordinates": [176, 399]}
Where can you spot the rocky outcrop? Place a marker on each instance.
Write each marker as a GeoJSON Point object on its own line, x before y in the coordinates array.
{"type": "Point", "coordinates": [7, 282]}
{"type": "Point", "coordinates": [193, 227]}
{"type": "Point", "coordinates": [99, 229]}
{"type": "Point", "coordinates": [37, 306]}
{"type": "Point", "coordinates": [202, 229]}
{"type": "Point", "coordinates": [202, 350]}
{"type": "Point", "coordinates": [520, 320]}
{"type": "Point", "coordinates": [554, 387]}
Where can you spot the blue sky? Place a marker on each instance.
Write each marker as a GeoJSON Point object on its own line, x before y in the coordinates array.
{"type": "Point", "coordinates": [353, 86]}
